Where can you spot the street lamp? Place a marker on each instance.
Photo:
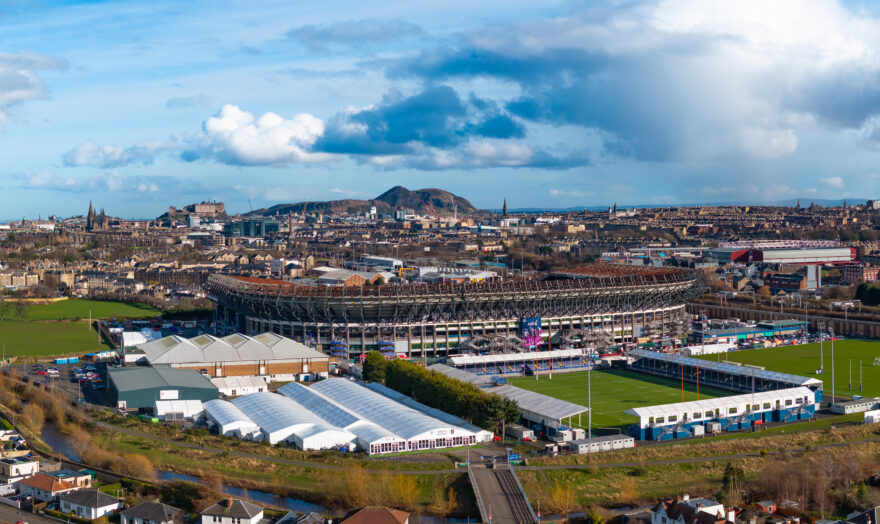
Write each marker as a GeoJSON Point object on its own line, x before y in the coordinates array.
{"type": "Point", "coordinates": [831, 332]}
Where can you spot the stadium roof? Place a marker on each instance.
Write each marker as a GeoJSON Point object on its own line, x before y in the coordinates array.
{"type": "Point", "coordinates": [132, 379]}
{"type": "Point", "coordinates": [721, 403]}
{"type": "Point", "coordinates": [538, 403]}
{"type": "Point", "coordinates": [467, 360]}
{"type": "Point", "coordinates": [233, 348]}
{"type": "Point", "coordinates": [724, 367]}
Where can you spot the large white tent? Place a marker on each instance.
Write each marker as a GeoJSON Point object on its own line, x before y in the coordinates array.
{"type": "Point", "coordinates": [230, 420]}
{"type": "Point", "coordinates": [283, 420]}
{"type": "Point", "coordinates": [418, 429]}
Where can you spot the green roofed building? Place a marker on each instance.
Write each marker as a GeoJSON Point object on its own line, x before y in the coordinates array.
{"type": "Point", "coordinates": [140, 387]}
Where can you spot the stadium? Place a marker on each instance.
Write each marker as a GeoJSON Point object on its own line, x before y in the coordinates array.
{"type": "Point", "coordinates": [598, 304]}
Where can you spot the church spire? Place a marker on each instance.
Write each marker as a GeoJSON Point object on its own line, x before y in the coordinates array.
{"type": "Point", "coordinates": [504, 208]}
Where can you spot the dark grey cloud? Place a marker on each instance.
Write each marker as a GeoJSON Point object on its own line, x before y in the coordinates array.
{"type": "Point", "coordinates": [353, 33]}
{"type": "Point", "coordinates": [434, 117]}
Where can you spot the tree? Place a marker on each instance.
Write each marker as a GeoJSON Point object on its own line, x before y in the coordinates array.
{"type": "Point", "coordinates": [374, 367]}
{"type": "Point", "coordinates": [21, 308]}
{"type": "Point", "coordinates": [764, 291]}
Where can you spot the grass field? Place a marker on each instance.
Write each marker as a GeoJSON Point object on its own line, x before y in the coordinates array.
{"type": "Point", "coordinates": [804, 360]}
{"type": "Point", "coordinates": [76, 308]}
{"type": "Point", "coordinates": [58, 329]}
{"type": "Point", "coordinates": [613, 392]}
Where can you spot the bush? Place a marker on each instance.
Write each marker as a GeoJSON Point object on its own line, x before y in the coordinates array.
{"type": "Point", "coordinates": [447, 394]}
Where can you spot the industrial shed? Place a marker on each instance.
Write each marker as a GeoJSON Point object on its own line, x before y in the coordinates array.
{"type": "Point", "coordinates": [178, 409]}
{"type": "Point", "coordinates": [283, 420]}
{"type": "Point", "coordinates": [229, 420]}
{"type": "Point", "coordinates": [141, 387]}
{"type": "Point", "coordinates": [855, 406]}
{"type": "Point", "coordinates": [418, 429]}
{"type": "Point", "coordinates": [267, 355]}
{"type": "Point", "coordinates": [541, 410]}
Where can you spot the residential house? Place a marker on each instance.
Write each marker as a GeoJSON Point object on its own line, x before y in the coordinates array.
{"type": "Point", "coordinates": [378, 515]}
{"type": "Point", "coordinates": [232, 511]}
{"type": "Point", "coordinates": [14, 469]}
{"type": "Point", "coordinates": [44, 488]}
{"type": "Point", "coordinates": [152, 513]}
{"type": "Point", "coordinates": [80, 479]}
{"type": "Point", "coordinates": [690, 511]}
{"type": "Point", "coordinates": [89, 504]}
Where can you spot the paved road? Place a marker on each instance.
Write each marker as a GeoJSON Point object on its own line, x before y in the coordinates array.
{"type": "Point", "coordinates": [10, 514]}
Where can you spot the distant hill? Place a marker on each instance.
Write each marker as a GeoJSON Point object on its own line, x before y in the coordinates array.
{"type": "Point", "coordinates": [396, 197]}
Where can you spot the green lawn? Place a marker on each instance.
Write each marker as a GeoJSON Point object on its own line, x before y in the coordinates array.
{"type": "Point", "coordinates": [59, 329]}
{"type": "Point", "coordinates": [48, 338]}
{"type": "Point", "coordinates": [804, 360]}
{"type": "Point", "coordinates": [76, 308]}
{"type": "Point", "coordinates": [613, 392]}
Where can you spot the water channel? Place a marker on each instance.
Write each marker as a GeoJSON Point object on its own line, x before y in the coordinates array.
{"type": "Point", "coordinates": [61, 444]}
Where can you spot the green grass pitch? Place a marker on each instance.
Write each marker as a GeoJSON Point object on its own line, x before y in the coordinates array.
{"type": "Point", "coordinates": [61, 328]}
{"type": "Point", "coordinates": [804, 360]}
{"type": "Point", "coordinates": [75, 308]}
{"type": "Point", "coordinates": [613, 392]}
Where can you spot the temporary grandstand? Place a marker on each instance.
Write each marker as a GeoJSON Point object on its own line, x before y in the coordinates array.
{"type": "Point", "coordinates": [624, 302]}
{"type": "Point", "coordinates": [722, 375]}
{"type": "Point", "coordinates": [698, 417]}
{"type": "Point", "coordinates": [283, 420]}
{"type": "Point", "coordinates": [229, 420]}
{"type": "Point", "coordinates": [337, 413]}
{"type": "Point", "coordinates": [527, 363]}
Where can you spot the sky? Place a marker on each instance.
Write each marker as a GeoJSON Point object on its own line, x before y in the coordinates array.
{"type": "Point", "coordinates": [144, 104]}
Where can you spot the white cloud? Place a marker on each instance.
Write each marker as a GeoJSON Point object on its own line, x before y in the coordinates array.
{"type": "Point", "coordinates": [90, 153]}
{"type": "Point", "coordinates": [566, 193]}
{"type": "Point", "coordinates": [110, 181]}
{"type": "Point", "coordinates": [18, 80]}
{"type": "Point", "coordinates": [836, 182]}
{"type": "Point", "coordinates": [234, 136]}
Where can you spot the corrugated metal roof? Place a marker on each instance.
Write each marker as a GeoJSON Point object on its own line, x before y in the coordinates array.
{"type": "Point", "coordinates": [131, 379]}
{"type": "Point", "coordinates": [234, 348]}
{"type": "Point", "coordinates": [538, 403]}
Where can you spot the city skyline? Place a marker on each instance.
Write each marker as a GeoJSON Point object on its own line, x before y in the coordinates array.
{"type": "Point", "coordinates": [551, 106]}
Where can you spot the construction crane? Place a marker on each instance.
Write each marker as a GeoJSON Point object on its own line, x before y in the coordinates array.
{"type": "Point", "coordinates": [430, 207]}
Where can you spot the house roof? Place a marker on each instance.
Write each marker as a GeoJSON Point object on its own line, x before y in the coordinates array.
{"type": "Point", "coordinates": [155, 512]}
{"type": "Point", "coordinates": [234, 508]}
{"type": "Point", "coordinates": [689, 514]}
{"type": "Point", "coordinates": [233, 348]}
{"type": "Point", "coordinates": [90, 498]}
{"type": "Point", "coordinates": [47, 483]}
{"type": "Point", "coordinates": [377, 515]}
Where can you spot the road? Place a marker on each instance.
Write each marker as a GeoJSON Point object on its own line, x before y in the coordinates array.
{"type": "Point", "coordinates": [10, 514]}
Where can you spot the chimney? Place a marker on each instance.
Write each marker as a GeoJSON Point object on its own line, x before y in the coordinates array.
{"type": "Point", "coordinates": [229, 502]}
{"type": "Point", "coordinates": [685, 497]}
{"type": "Point", "coordinates": [731, 515]}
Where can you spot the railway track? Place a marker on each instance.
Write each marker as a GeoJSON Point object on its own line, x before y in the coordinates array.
{"type": "Point", "coordinates": [515, 499]}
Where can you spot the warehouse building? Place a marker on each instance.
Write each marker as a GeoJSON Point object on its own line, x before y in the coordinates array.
{"type": "Point", "coordinates": [141, 387]}
{"type": "Point", "coordinates": [269, 356]}
{"type": "Point", "coordinates": [699, 417]}
{"type": "Point", "coordinates": [239, 386]}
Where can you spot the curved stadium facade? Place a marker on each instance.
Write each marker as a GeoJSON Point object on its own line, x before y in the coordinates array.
{"type": "Point", "coordinates": [599, 303]}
